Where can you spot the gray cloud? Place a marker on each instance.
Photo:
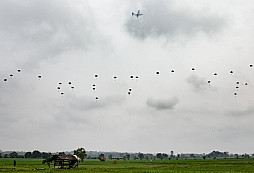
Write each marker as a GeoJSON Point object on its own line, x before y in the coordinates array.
{"type": "Point", "coordinates": [197, 83]}
{"type": "Point", "coordinates": [162, 104]}
{"type": "Point", "coordinates": [162, 19]}
{"type": "Point", "coordinates": [65, 40]}
{"type": "Point", "coordinates": [36, 30]}
{"type": "Point", "coordinates": [84, 103]}
{"type": "Point", "coordinates": [242, 112]}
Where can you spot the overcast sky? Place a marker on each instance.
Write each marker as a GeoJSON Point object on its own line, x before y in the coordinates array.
{"type": "Point", "coordinates": [72, 41]}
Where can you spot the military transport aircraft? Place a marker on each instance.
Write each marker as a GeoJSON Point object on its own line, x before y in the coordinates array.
{"type": "Point", "coordinates": [138, 14]}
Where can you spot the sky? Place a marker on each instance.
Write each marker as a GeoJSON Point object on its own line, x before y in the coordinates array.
{"type": "Point", "coordinates": [172, 51]}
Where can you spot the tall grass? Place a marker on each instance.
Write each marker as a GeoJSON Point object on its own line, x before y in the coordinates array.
{"type": "Point", "coordinates": [89, 165]}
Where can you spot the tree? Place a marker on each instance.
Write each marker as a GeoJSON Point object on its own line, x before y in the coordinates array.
{"type": "Point", "coordinates": [128, 156]}
{"type": "Point", "coordinates": [14, 155]}
{"type": "Point", "coordinates": [81, 153]}
{"type": "Point", "coordinates": [36, 154]}
{"type": "Point", "coordinates": [171, 154]}
{"type": "Point", "coordinates": [192, 156]}
{"type": "Point", "coordinates": [164, 156]}
{"type": "Point", "coordinates": [110, 156]}
{"type": "Point", "coordinates": [159, 156]}
{"type": "Point", "coordinates": [140, 156]}
{"type": "Point", "coordinates": [101, 155]}
{"type": "Point", "coordinates": [28, 155]}
{"type": "Point", "coordinates": [45, 155]}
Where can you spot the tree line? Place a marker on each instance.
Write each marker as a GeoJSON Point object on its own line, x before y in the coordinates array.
{"type": "Point", "coordinates": [82, 154]}
{"type": "Point", "coordinates": [34, 154]}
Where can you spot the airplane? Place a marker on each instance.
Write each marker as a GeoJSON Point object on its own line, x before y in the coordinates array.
{"type": "Point", "coordinates": [138, 14]}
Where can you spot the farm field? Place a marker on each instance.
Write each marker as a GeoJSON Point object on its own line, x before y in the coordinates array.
{"type": "Point", "coordinates": [89, 165]}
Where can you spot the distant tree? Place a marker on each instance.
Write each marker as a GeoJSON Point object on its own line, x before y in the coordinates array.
{"type": "Point", "coordinates": [246, 155]}
{"type": "Point", "coordinates": [61, 153]}
{"type": "Point", "coordinates": [178, 156]}
{"type": "Point", "coordinates": [6, 155]}
{"type": "Point", "coordinates": [225, 154]}
{"type": "Point", "coordinates": [13, 154]}
{"type": "Point", "coordinates": [36, 154]}
{"type": "Point", "coordinates": [140, 156]}
{"type": "Point", "coordinates": [45, 155]}
{"type": "Point", "coordinates": [159, 156]}
{"type": "Point", "coordinates": [171, 152]}
{"type": "Point", "coordinates": [216, 154]}
{"type": "Point", "coordinates": [81, 153]}
{"type": "Point", "coordinates": [149, 156]}
{"type": "Point", "coordinates": [164, 156]}
{"type": "Point", "coordinates": [28, 155]}
{"type": "Point", "coordinates": [0, 155]}
{"type": "Point", "coordinates": [101, 155]}
{"type": "Point", "coordinates": [110, 156]}
{"type": "Point", "coordinates": [128, 156]}
{"type": "Point", "coordinates": [192, 156]}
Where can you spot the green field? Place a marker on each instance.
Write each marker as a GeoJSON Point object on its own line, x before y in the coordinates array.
{"type": "Point", "coordinates": [89, 165]}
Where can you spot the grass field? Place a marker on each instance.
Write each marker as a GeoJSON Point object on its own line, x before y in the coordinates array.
{"type": "Point", "coordinates": [190, 165]}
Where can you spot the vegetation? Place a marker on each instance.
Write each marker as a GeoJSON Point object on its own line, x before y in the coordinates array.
{"type": "Point", "coordinates": [157, 165]}
{"type": "Point", "coordinates": [81, 153]}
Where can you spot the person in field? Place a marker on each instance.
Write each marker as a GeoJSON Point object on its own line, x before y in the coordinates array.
{"type": "Point", "coordinates": [14, 164]}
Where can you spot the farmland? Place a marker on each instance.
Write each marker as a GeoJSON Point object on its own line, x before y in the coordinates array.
{"type": "Point", "coordinates": [91, 165]}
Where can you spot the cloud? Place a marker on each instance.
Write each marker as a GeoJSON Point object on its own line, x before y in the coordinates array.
{"type": "Point", "coordinates": [35, 30]}
{"type": "Point", "coordinates": [242, 112]}
{"type": "Point", "coordinates": [163, 18]}
{"type": "Point", "coordinates": [84, 103]}
{"type": "Point", "coordinates": [162, 104]}
{"type": "Point", "coordinates": [197, 83]}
